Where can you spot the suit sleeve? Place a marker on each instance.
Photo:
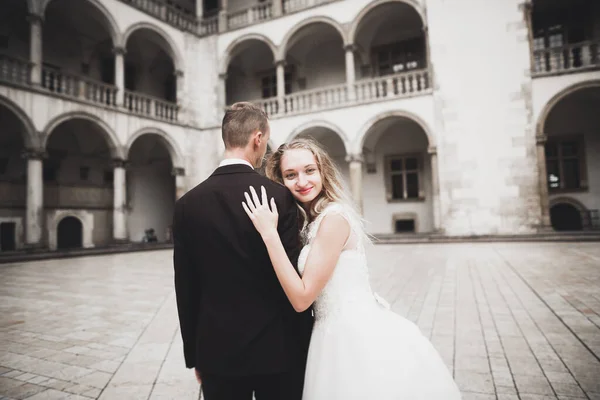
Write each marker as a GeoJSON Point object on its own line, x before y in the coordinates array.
{"type": "Point", "coordinates": [289, 231]}
{"type": "Point", "coordinates": [186, 287]}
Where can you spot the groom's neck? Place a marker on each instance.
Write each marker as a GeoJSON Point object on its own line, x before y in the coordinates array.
{"type": "Point", "coordinates": [241, 154]}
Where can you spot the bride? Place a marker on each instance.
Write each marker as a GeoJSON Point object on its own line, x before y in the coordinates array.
{"type": "Point", "coordinates": [359, 349]}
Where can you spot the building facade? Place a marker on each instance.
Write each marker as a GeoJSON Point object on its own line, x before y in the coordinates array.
{"type": "Point", "coordinates": [459, 118]}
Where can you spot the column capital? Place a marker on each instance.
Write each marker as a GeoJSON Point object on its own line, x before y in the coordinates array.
{"type": "Point", "coordinates": [541, 139]}
{"type": "Point", "coordinates": [178, 73]}
{"type": "Point", "coordinates": [350, 47]}
{"type": "Point", "coordinates": [350, 158]}
{"type": "Point", "coordinates": [35, 17]}
{"type": "Point", "coordinates": [177, 171]}
{"type": "Point", "coordinates": [526, 5]}
{"type": "Point", "coordinates": [432, 150]}
{"type": "Point", "coordinates": [277, 63]}
{"type": "Point", "coordinates": [119, 50]}
{"type": "Point", "coordinates": [119, 163]}
{"type": "Point", "coordinates": [34, 154]}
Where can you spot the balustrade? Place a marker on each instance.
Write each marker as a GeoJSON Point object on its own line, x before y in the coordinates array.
{"type": "Point", "coordinates": [149, 106]}
{"type": "Point", "coordinates": [249, 15]}
{"type": "Point", "coordinates": [397, 85]}
{"type": "Point", "coordinates": [568, 58]}
{"type": "Point", "coordinates": [316, 99]}
{"type": "Point", "coordinates": [14, 70]}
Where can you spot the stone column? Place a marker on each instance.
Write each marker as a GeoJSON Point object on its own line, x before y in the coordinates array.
{"type": "Point", "coordinates": [199, 10]}
{"type": "Point", "coordinates": [350, 71]}
{"type": "Point", "coordinates": [35, 48]}
{"type": "Point", "coordinates": [223, 25]}
{"type": "Point", "coordinates": [277, 10]}
{"type": "Point", "coordinates": [34, 215]}
{"type": "Point", "coordinates": [435, 186]}
{"type": "Point", "coordinates": [540, 141]}
{"type": "Point", "coordinates": [179, 96]}
{"type": "Point", "coordinates": [120, 201]}
{"type": "Point", "coordinates": [119, 53]}
{"type": "Point", "coordinates": [222, 93]}
{"type": "Point", "coordinates": [280, 70]}
{"type": "Point", "coordinates": [180, 186]}
{"type": "Point", "coordinates": [356, 175]}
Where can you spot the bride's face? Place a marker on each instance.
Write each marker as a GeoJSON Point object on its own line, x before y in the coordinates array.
{"type": "Point", "coordinates": [301, 175]}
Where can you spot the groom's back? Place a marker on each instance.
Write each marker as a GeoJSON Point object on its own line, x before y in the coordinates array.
{"type": "Point", "coordinates": [244, 324]}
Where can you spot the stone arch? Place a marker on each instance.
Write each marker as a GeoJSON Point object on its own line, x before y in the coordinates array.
{"type": "Point", "coordinates": [357, 146]}
{"type": "Point", "coordinates": [557, 98]}
{"type": "Point", "coordinates": [113, 142]}
{"type": "Point", "coordinates": [374, 4]}
{"type": "Point", "coordinates": [173, 51]}
{"type": "Point", "coordinates": [177, 158]}
{"type": "Point", "coordinates": [305, 22]}
{"type": "Point", "coordinates": [321, 124]}
{"type": "Point", "coordinates": [113, 27]}
{"type": "Point", "coordinates": [54, 217]}
{"type": "Point", "coordinates": [230, 52]}
{"type": "Point", "coordinates": [582, 209]}
{"type": "Point", "coordinates": [30, 137]}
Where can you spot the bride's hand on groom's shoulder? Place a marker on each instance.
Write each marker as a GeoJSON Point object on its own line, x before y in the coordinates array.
{"type": "Point", "coordinates": [262, 216]}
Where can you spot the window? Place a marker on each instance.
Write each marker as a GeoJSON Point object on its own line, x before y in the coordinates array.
{"type": "Point", "coordinates": [404, 178]}
{"type": "Point", "coordinates": [109, 176]}
{"type": "Point", "coordinates": [404, 225]}
{"type": "Point", "coordinates": [399, 57]}
{"type": "Point", "coordinates": [565, 163]}
{"type": "Point", "coordinates": [84, 173]}
{"type": "Point", "coordinates": [269, 83]}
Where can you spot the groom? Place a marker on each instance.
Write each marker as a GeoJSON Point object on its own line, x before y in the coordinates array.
{"type": "Point", "coordinates": [240, 333]}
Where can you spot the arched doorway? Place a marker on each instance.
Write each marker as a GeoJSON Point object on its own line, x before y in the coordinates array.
{"type": "Point", "coordinates": [69, 233]}
{"type": "Point", "coordinates": [150, 189]}
{"type": "Point", "coordinates": [398, 182]}
{"type": "Point", "coordinates": [565, 217]}
{"type": "Point", "coordinates": [572, 156]}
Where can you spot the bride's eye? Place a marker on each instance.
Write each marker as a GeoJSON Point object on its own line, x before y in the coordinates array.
{"type": "Point", "coordinates": [310, 170]}
{"type": "Point", "coordinates": [289, 176]}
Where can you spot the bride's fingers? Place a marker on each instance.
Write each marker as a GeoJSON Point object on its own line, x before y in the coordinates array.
{"type": "Point", "coordinates": [247, 210]}
{"type": "Point", "coordinates": [250, 203]}
{"type": "Point", "coordinates": [263, 192]}
{"type": "Point", "coordinates": [274, 206]}
{"type": "Point", "coordinates": [257, 202]}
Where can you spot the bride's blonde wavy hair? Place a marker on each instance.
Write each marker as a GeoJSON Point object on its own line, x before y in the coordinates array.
{"type": "Point", "coordinates": [334, 187]}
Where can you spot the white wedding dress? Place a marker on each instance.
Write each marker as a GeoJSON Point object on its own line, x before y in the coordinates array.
{"type": "Point", "coordinates": [359, 349]}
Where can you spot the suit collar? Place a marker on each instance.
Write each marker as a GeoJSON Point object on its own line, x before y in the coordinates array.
{"type": "Point", "coordinates": [234, 169]}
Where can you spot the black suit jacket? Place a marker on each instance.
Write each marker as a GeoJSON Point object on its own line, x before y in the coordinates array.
{"type": "Point", "coordinates": [235, 318]}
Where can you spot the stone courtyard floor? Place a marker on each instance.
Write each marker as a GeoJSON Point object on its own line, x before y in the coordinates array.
{"type": "Point", "coordinates": [511, 320]}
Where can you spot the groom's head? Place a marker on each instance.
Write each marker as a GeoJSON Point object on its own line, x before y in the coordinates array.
{"type": "Point", "coordinates": [246, 128]}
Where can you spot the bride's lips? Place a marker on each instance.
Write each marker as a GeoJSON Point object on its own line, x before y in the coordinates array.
{"type": "Point", "coordinates": [304, 192]}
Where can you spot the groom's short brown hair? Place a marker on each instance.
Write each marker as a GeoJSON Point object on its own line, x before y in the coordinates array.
{"type": "Point", "coordinates": [241, 120]}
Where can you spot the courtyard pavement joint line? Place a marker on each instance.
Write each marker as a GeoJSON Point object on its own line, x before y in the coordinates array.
{"type": "Point", "coordinates": [158, 309]}
{"type": "Point", "coordinates": [547, 305]}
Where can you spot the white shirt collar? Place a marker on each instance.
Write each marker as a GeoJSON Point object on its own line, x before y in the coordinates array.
{"type": "Point", "coordinates": [233, 161]}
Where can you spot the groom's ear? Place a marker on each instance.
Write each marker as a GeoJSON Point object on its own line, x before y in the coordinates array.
{"type": "Point", "coordinates": [258, 138]}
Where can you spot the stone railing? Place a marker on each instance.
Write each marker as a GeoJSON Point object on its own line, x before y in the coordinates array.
{"type": "Point", "coordinates": [390, 86]}
{"type": "Point", "coordinates": [68, 196]}
{"type": "Point", "coordinates": [566, 59]}
{"type": "Point", "coordinates": [14, 70]}
{"type": "Point", "coordinates": [290, 6]}
{"type": "Point", "coordinates": [364, 91]}
{"type": "Point", "coordinates": [78, 87]}
{"type": "Point", "coordinates": [270, 105]}
{"type": "Point", "coordinates": [316, 99]}
{"type": "Point", "coordinates": [149, 106]}
{"type": "Point", "coordinates": [210, 25]}
{"type": "Point", "coordinates": [249, 15]}
{"type": "Point", "coordinates": [13, 194]}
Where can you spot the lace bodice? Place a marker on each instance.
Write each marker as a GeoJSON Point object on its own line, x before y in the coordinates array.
{"type": "Point", "coordinates": [348, 289]}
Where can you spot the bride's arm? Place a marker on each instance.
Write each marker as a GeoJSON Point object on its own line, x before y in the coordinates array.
{"type": "Point", "coordinates": [324, 254]}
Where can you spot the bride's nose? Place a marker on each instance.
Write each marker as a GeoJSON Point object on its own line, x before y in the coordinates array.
{"type": "Point", "coordinates": [301, 180]}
